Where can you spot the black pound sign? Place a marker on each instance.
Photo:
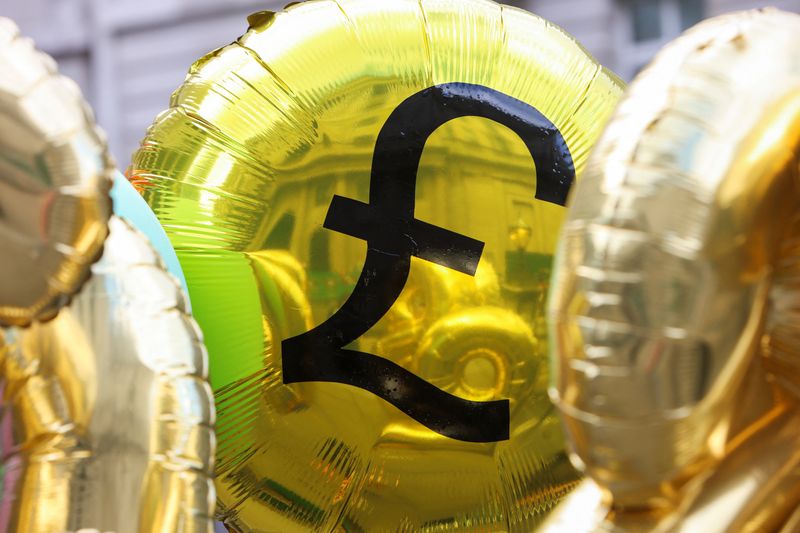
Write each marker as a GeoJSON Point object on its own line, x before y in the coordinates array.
{"type": "Point", "coordinates": [393, 235]}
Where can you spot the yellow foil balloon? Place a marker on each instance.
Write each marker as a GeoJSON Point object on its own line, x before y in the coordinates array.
{"type": "Point", "coordinates": [365, 198]}
{"type": "Point", "coordinates": [106, 413]}
{"type": "Point", "coordinates": [54, 181]}
{"type": "Point", "coordinates": [675, 301]}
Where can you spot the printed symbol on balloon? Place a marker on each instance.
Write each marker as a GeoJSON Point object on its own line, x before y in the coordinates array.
{"type": "Point", "coordinates": [393, 236]}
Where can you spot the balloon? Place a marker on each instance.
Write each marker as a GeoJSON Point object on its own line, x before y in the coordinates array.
{"type": "Point", "coordinates": [365, 198]}
{"type": "Point", "coordinates": [106, 416]}
{"type": "Point", "coordinates": [107, 419]}
{"type": "Point", "coordinates": [130, 206]}
{"type": "Point", "coordinates": [675, 294]}
{"type": "Point", "coordinates": [54, 181]}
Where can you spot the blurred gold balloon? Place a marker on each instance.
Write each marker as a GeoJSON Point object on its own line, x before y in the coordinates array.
{"type": "Point", "coordinates": [675, 300]}
{"type": "Point", "coordinates": [54, 181]}
{"type": "Point", "coordinates": [365, 198]}
{"type": "Point", "coordinates": [107, 419]}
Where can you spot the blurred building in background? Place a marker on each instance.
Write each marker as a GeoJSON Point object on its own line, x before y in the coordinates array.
{"type": "Point", "coordinates": [129, 55]}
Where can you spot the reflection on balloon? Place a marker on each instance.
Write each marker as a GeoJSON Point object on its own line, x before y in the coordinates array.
{"type": "Point", "coordinates": [54, 181]}
{"type": "Point", "coordinates": [675, 301]}
{"type": "Point", "coordinates": [365, 198]}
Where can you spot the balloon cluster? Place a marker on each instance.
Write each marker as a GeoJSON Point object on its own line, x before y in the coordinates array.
{"type": "Point", "coordinates": [364, 201]}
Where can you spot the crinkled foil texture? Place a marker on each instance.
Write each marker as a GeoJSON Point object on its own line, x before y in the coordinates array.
{"type": "Point", "coordinates": [241, 171]}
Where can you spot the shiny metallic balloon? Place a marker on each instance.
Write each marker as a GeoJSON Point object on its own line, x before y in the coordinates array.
{"type": "Point", "coordinates": [54, 181]}
{"type": "Point", "coordinates": [365, 198]}
{"type": "Point", "coordinates": [107, 418]}
{"type": "Point", "coordinates": [675, 303]}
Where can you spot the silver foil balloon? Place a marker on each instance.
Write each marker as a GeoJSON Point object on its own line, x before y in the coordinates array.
{"type": "Point", "coordinates": [107, 418]}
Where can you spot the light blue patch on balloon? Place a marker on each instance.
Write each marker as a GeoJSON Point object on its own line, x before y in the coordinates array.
{"type": "Point", "coordinates": [129, 204]}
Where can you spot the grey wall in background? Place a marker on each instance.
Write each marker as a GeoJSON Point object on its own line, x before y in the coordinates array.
{"type": "Point", "coordinates": [604, 27]}
{"type": "Point", "coordinates": [129, 55]}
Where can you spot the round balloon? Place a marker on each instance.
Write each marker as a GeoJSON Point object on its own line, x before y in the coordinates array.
{"type": "Point", "coordinates": [55, 173]}
{"type": "Point", "coordinates": [365, 198]}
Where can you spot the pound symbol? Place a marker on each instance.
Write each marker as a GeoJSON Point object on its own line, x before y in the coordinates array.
{"type": "Point", "coordinates": [393, 235]}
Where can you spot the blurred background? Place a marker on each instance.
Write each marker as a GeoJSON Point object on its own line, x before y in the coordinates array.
{"type": "Point", "coordinates": [129, 55]}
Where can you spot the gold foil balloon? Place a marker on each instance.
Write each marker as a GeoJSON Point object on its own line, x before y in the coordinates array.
{"type": "Point", "coordinates": [54, 182]}
{"type": "Point", "coordinates": [365, 198]}
{"type": "Point", "coordinates": [675, 300]}
{"type": "Point", "coordinates": [106, 413]}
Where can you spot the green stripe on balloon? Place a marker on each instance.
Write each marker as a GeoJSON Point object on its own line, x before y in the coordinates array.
{"type": "Point", "coordinates": [128, 204]}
